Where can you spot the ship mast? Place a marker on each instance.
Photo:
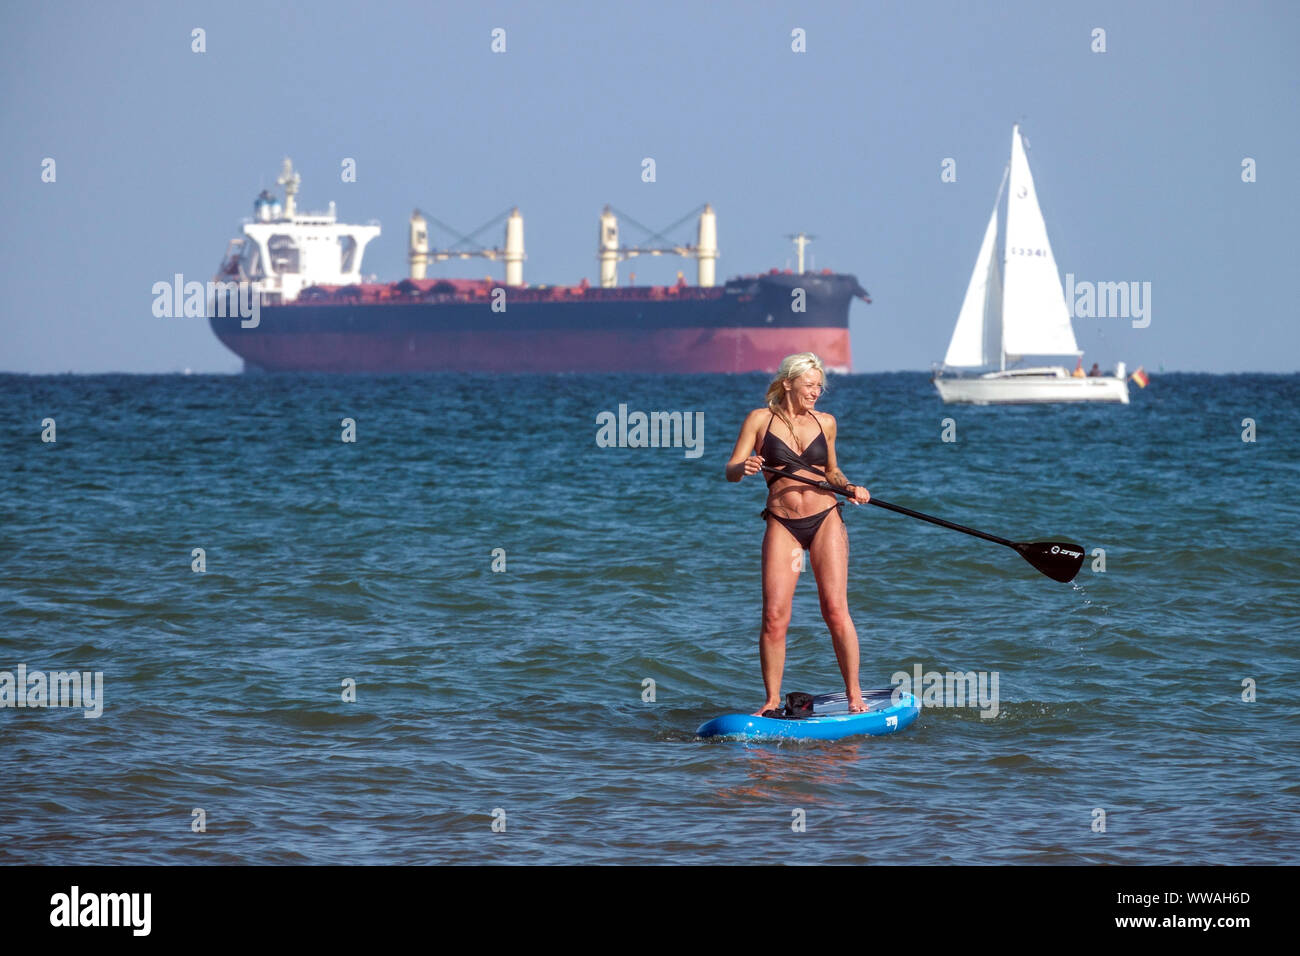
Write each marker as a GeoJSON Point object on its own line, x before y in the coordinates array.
{"type": "Point", "coordinates": [801, 241]}
{"type": "Point", "coordinates": [290, 181]}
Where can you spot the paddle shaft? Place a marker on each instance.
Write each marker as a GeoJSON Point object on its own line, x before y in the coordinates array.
{"type": "Point", "coordinates": [827, 486]}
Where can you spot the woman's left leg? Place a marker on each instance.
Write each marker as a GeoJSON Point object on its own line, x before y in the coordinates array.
{"type": "Point", "coordinates": [829, 557]}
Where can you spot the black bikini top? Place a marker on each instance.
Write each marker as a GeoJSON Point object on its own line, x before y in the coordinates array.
{"type": "Point", "coordinates": [777, 454]}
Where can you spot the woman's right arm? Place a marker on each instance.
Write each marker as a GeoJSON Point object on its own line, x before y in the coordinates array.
{"type": "Point", "coordinates": [743, 460]}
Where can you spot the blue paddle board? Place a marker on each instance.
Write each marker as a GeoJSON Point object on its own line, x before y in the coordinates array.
{"type": "Point", "coordinates": [830, 719]}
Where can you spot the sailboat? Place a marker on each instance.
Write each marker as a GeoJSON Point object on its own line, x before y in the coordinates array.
{"type": "Point", "coordinates": [1018, 312]}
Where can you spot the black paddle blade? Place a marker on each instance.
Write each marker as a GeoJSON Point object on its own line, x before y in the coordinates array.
{"type": "Point", "coordinates": [1059, 560]}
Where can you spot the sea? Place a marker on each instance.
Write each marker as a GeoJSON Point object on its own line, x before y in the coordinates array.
{"type": "Point", "coordinates": [455, 619]}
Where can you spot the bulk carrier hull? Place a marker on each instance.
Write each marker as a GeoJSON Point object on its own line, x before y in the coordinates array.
{"type": "Point", "coordinates": [749, 324]}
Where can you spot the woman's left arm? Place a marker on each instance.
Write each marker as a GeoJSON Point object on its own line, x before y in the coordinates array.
{"type": "Point", "coordinates": [833, 474]}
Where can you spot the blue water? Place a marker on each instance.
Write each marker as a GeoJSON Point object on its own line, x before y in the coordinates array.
{"type": "Point", "coordinates": [520, 690]}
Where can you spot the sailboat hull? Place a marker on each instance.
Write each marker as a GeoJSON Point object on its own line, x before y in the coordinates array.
{"type": "Point", "coordinates": [1016, 388]}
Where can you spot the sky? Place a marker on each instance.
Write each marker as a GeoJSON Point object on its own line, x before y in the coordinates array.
{"type": "Point", "coordinates": [1137, 154]}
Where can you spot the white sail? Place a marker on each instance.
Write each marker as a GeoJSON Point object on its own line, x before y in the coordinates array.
{"type": "Point", "coordinates": [1035, 320]}
{"type": "Point", "coordinates": [993, 313]}
{"type": "Point", "coordinates": [969, 348]}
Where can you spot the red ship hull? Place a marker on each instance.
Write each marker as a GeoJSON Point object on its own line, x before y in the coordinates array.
{"type": "Point", "coordinates": [686, 350]}
{"type": "Point", "coordinates": [748, 325]}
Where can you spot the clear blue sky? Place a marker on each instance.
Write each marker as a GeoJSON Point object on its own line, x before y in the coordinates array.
{"type": "Point", "coordinates": [1136, 151]}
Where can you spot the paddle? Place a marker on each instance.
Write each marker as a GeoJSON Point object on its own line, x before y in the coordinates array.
{"type": "Point", "coordinates": [1059, 560]}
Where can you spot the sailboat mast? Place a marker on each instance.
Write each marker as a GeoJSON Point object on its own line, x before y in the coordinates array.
{"type": "Point", "coordinates": [1002, 348]}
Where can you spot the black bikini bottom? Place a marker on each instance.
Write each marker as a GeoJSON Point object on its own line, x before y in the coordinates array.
{"type": "Point", "coordinates": [805, 529]}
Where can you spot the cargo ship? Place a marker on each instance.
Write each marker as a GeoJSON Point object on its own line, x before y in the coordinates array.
{"type": "Point", "coordinates": [319, 314]}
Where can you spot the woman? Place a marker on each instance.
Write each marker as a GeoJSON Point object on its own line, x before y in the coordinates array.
{"type": "Point", "coordinates": [790, 435]}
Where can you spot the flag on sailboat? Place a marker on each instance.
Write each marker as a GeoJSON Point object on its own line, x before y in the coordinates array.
{"type": "Point", "coordinates": [1140, 377]}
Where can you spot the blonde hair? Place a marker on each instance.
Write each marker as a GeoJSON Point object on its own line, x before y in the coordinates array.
{"type": "Point", "coordinates": [792, 367]}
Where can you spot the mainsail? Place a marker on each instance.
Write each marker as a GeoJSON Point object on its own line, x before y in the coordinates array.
{"type": "Point", "coordinates": [1035, 320]}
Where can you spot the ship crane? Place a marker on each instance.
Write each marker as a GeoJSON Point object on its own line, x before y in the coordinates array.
{"type": "Point", "coordinates": [513, 251]}
{"type": "Point", "coordinates": [705, 250]}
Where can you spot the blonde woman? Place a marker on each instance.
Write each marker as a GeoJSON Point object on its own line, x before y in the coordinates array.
{"type": "Point", "coordinates": [790, 434]}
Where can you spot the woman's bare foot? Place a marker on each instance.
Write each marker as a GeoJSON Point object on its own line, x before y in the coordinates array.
{"type": "Point", "coordinates": [856, 704]}
{"type": "Point", "coordinates": [770, 705]}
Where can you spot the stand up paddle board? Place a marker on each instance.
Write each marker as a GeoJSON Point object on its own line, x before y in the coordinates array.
{"type": "Point", "coordinates": [830, 719]}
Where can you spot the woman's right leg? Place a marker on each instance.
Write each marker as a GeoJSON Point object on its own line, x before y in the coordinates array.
{"type": "Point", "coordinates": [782, 561]}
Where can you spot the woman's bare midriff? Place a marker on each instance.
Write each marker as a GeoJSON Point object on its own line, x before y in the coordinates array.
{"type": "Point", "coordinates": [793, 499]}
